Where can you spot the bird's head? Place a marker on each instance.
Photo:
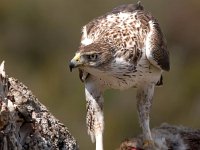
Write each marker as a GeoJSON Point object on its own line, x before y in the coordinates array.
{"type": "Point", "coordinates": [91, 56]}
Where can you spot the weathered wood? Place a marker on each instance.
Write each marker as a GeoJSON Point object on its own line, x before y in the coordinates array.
{"type": "Point", "coordinates": [25, 123]}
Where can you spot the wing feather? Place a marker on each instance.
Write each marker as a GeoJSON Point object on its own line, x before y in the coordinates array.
{"type": "Point", "coordinates": [156, 48]}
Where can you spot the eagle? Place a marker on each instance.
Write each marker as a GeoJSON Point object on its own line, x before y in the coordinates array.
{"type": "Point", "coordinates": [125, 48]}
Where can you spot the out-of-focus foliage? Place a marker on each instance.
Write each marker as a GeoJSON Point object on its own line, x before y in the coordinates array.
{"type": "Point", "coordinates": [39, 37]}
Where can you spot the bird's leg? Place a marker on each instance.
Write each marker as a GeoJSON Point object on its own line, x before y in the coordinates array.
{"type": "Point", "coordinates": [144, 102]}
{"type": "Point", "coordinates": [94, 117]}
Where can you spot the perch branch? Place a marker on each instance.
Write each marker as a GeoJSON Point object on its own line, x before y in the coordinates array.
{"type": "Point", "coordinates": [25, 123]}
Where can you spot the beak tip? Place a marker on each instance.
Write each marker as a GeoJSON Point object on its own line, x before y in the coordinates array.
{"type": "Point", "coordinates": [71, 66]}
{"type": "Point", "coordinates": [75, 62]}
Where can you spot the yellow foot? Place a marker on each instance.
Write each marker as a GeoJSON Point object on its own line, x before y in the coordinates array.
{"type": "Point", "coordinates": [148, 145]}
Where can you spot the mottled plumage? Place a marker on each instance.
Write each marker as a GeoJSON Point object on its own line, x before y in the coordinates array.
{"type": "Point", "coordinates": [122, 49]}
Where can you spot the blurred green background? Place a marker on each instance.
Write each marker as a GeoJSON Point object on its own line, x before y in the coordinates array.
{"type": "Point", "coordinates": [39, 37]}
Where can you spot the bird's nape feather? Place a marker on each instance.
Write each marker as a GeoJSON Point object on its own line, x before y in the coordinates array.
{"type": "Point", "coordinates": [127, 8]}
{"type": "Point", "coordinates": [92, 26]}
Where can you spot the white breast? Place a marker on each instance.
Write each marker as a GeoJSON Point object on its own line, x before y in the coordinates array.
{"type": "Point", "coordinates": [123, 75]}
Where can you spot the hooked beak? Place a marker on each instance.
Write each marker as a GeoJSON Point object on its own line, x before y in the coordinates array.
{"type": "Point", "coordinates": [75, 62]}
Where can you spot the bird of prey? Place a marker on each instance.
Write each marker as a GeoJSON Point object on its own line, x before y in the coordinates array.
{"type": "Point", "coordinates": [122, 49]}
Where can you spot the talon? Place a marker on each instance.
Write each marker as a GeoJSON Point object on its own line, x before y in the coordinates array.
{"type": "Point", "coordinates": [149, 144]}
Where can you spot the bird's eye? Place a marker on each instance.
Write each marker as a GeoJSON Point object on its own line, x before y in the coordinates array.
{"type": "Point", "coordinates": [92, 57]}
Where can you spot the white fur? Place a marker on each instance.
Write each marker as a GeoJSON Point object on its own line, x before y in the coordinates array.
{"type": "Point", "coordinates": [84, 32]}
{"type": "Point", "coordinates": [110, 18]}
{"type": "Point", "coordinates": [121, 60]}
{"type": "Point", "coordinates": [92, 91]}
{"type": "Point", "coordinates": [86, 41]}
{"type": "Point", "coordinates": [138, 24]}
{"type": "Point", "coordinates": [149, 44]}
{"type": "Point", "coordinates": [124, 16]}
{"type": "Point", "coordinates": [99, 142]}
{"type": "Point", "coordinates": [2, 69]}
